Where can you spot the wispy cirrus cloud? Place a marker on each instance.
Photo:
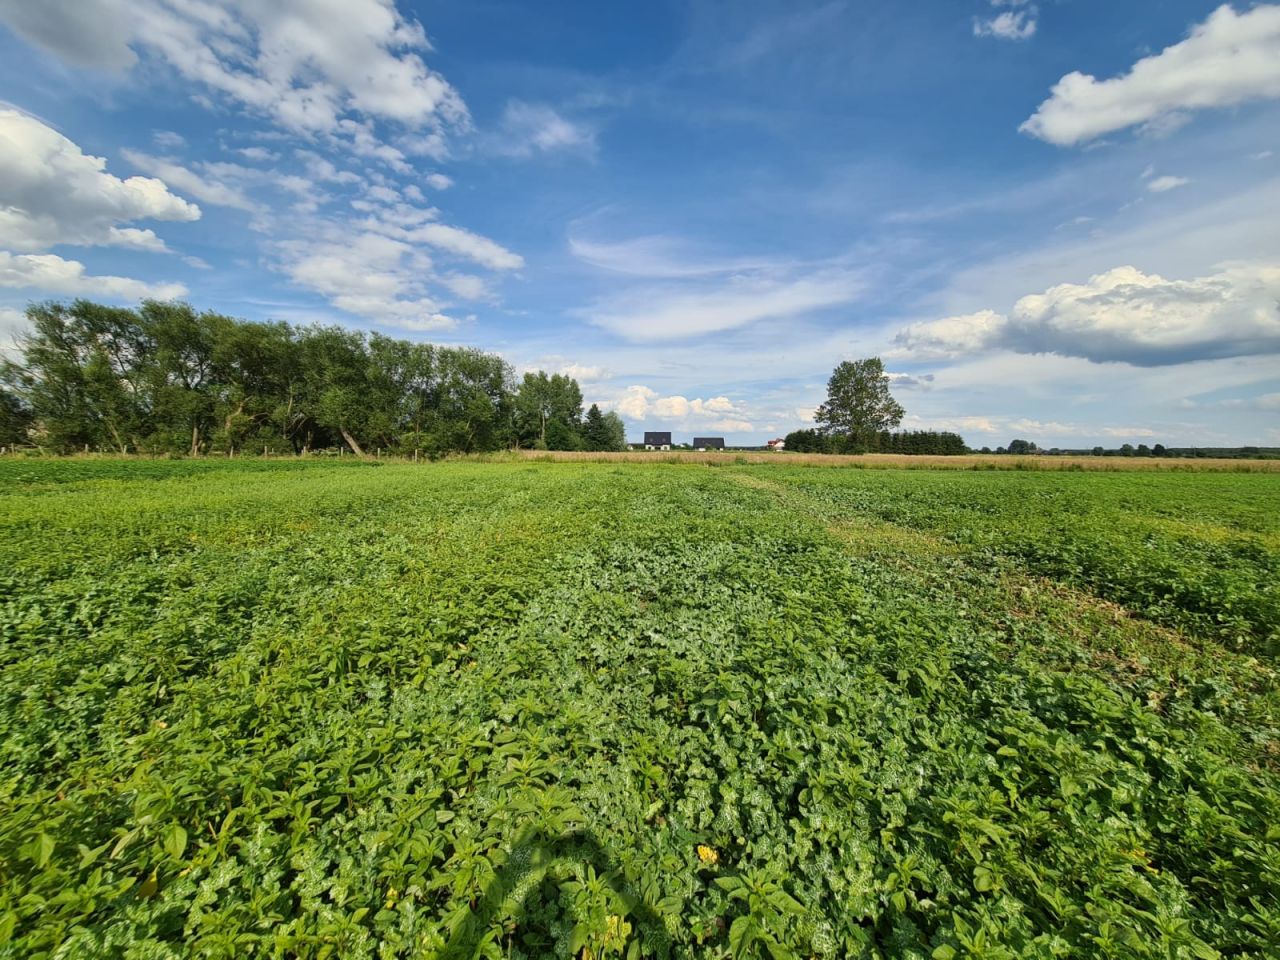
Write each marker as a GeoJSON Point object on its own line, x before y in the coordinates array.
{"type": "Point", "coordinates": [394, 264]}
{"type": "Point", "coordinates": [679, 292]}
{"type": "Point", "coordinates": [526, 129]}
{"type": "Point", "coordinates": [658, 256]}
{"type": "Point", "coordinates": [680, 312]}
{"type": "Point", "coordinates": [1166, 183]}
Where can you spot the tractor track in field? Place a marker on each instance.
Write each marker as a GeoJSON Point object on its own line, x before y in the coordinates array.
{"type": "Point", "coordinates": [1017, 594]}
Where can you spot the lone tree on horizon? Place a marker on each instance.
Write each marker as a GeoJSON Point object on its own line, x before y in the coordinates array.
{"type": "Point", "coordinates": [858, 400]}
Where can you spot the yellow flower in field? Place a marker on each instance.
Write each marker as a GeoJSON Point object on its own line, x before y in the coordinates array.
{"type": "Point", "coordinates": [616, 929]}
{"type": "Point", "coordinates": [708, 854]}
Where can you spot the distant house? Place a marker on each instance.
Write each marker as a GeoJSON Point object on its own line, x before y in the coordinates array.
{"type": "Point", "coordinates": [657, 441]}
{"type": "Point", "coordinates": [708, 443]}
{"type": "Point", "coordinates": [778, 444]}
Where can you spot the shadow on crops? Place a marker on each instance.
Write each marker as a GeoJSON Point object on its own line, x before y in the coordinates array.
{"type": "Point", "coordinates": [517, 886]}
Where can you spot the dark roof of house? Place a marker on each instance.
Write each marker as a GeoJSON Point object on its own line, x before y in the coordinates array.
{"type": "Point", "coordinates": [656, 439]}
{"type": "Point", "coordinates": [708, 442]}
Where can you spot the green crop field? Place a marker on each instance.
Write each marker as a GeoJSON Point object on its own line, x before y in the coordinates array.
{"type": "Point", "coordinates": [261, 709]}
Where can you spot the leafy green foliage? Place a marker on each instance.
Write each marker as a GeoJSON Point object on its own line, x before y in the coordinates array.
{"type": "Point", "coordinates": [465, 710]}
{"type": "Point", "coordinates": [15, 419]}
{"type": "Point", "coordinates": [912, 442]}
{"type": "Point", "coordinates": [166, 379]}
{"type": "Point", "coordinates": [858, 400]}
{"type": "Point", "coordinates": [1200, 554]}
{"type": "Point", "coordinates": [549, 411]}
{"type": "Point", "coordinates": [603, 432]}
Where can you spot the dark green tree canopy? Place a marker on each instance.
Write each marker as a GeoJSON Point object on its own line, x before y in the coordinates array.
{"type": "Point", "coordinates": [549, 410]}
{"type": "Point", "coordinates": [603, 431]}
{"type": "Point", "coordinates": [921, 442]}
{"type": "Point", "coordinates": [167, 378]}
{"type": "Point", "coordinates": [15, 419]}
{"type": "Point", "coordinates": [858, 400]}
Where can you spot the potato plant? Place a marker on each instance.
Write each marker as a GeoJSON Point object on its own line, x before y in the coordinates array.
{"type": "Point", "coordinates": [1201, 554]}
{"type": "Point", "coordinates": [624, 710]}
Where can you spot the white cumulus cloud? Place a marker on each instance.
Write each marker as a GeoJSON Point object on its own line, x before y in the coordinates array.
{"type": "Point", "coordinates": [640, 403]}
{"type": "Point", "coordinates": [951, 336]}
{"type": "Point", "coordinates": [1228, 59]}
{"type": "Point", "coordinates": [1017, 24]}
{"type": "Point", "coordinates": [343, 80]}
{"type": "Point", "coordinates": [556, 363]}
{"type": "Point", "coordinates": [304, 63]}
{"type": "Point", "coordinates": [187, 181]}
{"type": "Point", "coordinates": [50, 273]}
{"type": "Point", "coordinates": [13, 327]}
{"type": "Point", "coordinates": [1122, 315]}
{"type": "Point", "coordinates": [583, 373]}
{"type": "Point", "coordinates": [256, 154]}
{"type": "Point", "coordinates": [52, 193]}
{"type": "Point", "coordinates": [368, 275]}
{"type": "Point", "coordinates": [88, 33]}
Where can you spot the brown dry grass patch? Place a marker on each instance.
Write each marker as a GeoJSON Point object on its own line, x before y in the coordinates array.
{"type": "Point", "coordinates": [896, 461]}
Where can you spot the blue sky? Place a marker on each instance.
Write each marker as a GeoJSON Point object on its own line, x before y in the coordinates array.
{"type": "Point", "coordinates": [1055, 220]}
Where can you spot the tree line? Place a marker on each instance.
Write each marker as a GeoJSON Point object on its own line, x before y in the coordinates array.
{"type": "Point", "coordinates": [164, 378]}
{"type": "Point", "coordinates": [1023, 447]}
{"type": "Point", "coordinates": [860, 413]}
{"type": "Point", "coordinates": [913, 442]}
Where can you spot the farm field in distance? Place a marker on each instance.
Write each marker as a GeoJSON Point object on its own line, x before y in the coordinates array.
{"type": "Point", "coordinates": [597, 709]}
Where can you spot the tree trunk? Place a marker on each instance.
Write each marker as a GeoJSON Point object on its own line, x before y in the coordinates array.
{"type": "Point", "coordinates": [195, 439]}
{"type": "Point", "coordinates": [120, 444]}
{"type": "Point", "coordinates": [351, 442]}
{"type": "Point", "coordinates": [226, 425]}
